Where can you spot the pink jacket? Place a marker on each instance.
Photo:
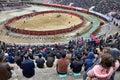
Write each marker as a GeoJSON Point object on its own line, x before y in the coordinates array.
{"type": "Point", "coordinates": [100, 73]}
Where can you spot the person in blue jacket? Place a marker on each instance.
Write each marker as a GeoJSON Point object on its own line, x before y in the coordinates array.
{"type": "Point", "coordinates": [89, 60]}
{"type": "Point", "coordinates": [28, 66]}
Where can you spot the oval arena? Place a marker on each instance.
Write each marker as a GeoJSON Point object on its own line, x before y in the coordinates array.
{"type": "Point", "coordinates": [45, 23]}
{"type": "Point", "coordinates": [48, 24]}
{"type": "Point", "coordinates": [43, 32]}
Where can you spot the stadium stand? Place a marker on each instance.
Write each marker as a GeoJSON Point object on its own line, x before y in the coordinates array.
{"type": "Point", "coordinates": [14, 54]}
{"type": "Point", "coordinates": [13, 4]}
{"type": "Point", "coordinates": [103, 6]}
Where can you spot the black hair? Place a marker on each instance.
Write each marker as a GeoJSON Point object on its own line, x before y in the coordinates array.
{"type": "Point", "coordinates": [40, 55]}
{"type": "Point", "coordinates": [63, 55]}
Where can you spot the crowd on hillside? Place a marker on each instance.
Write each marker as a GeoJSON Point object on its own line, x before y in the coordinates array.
{"type": "Point", "coordinates": [117, 16]}
{"type": "Point", "coordinates": [78, 54]}
{"type": "Point", "coordinates": [104, 6]}
{"type": "Point", "coordinates": [10, 6]}
{"type": "Point", "coordinates": [116, 19]}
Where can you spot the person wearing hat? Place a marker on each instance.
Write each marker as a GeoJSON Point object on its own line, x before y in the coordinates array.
{"type": "Point", "coordinates": [5, 68]}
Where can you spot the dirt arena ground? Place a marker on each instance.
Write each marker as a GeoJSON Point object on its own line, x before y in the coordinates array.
{"type": "Point", "coordinates": [33, 23]}
{"type": "Point", "coordinates": [49, 21]}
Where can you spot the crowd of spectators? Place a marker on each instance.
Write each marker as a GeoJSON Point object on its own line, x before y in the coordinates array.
{"type": "Point", "coordinates": [77, 54]}
{"type": "Point", "coordinates": [86, 53]}
{"type": "Point", "coordinates": [103, 6]}
{"type": "Point", "coordinates": [117, 16]}
{"type": "Point", "coordinates": [11, 5]}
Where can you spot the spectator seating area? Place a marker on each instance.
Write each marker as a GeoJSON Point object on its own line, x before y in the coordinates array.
{"type": "Point", "coordinates": [102, 6]}
{"type": "Point", "coordinates": [73, 48]}
{"type": "Point", "coordinates": [14, 53]}
{"type": "Point", "coordinates": [117, 16]}
{"type": "Point", "coordinates": [4, 6]}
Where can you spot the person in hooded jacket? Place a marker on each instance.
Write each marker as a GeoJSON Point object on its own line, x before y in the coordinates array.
{"type": "Point", "coordinates": [105, 69]}
{"type": "Point", "coordinates": [89, 61]}
{"type": "Point", "coordinates": [114, 52]}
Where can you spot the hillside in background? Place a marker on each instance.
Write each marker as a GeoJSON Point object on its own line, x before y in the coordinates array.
{"type": "Point", "coordinates": [103, 6]}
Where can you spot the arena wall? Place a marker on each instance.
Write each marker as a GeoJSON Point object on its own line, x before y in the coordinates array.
{"type": "Point", "coordinates": [42, 33]}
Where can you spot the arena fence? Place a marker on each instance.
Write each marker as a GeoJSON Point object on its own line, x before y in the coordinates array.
{"type": "Point", "coordinates": [43, 33]}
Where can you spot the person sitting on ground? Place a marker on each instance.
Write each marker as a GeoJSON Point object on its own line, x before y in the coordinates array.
{"type": "Point", "coordinates": [89, 60]}
{"type": "Point", "coordinates": [28, 66]}
{"type": "Point", "coordinates": [105, 50]}
{"type": "Point", "coordinates": [40, 61]}
{"type": "Point", "coordinates": [96, 55]}
{"type": "Point", "coordinates": [77, 64]}
{"type": "Point", "coordinates": [68, 54]}
{"type": "Point", "coordinates": [50, 60]}
{"type": "Point", "coordinates": [10, 57]}
{"type": "Point", "coordinates": [5, 69]}
{"type": "Point", "coordinates": [58, 55]}
{"type": "Point", "coordinates": [18, 59]}
{"type": "Point", "coordinates": [105, 69]}
{"type": "Point", "coordinates": [62, 64]}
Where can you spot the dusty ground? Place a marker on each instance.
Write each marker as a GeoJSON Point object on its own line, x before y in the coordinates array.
{"type": "Point", "coordinates": [49, 21]}
{"type": "Point", "coordinates": [44, 22]}
{"type": "Point", "coordinates": [11, 37]}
